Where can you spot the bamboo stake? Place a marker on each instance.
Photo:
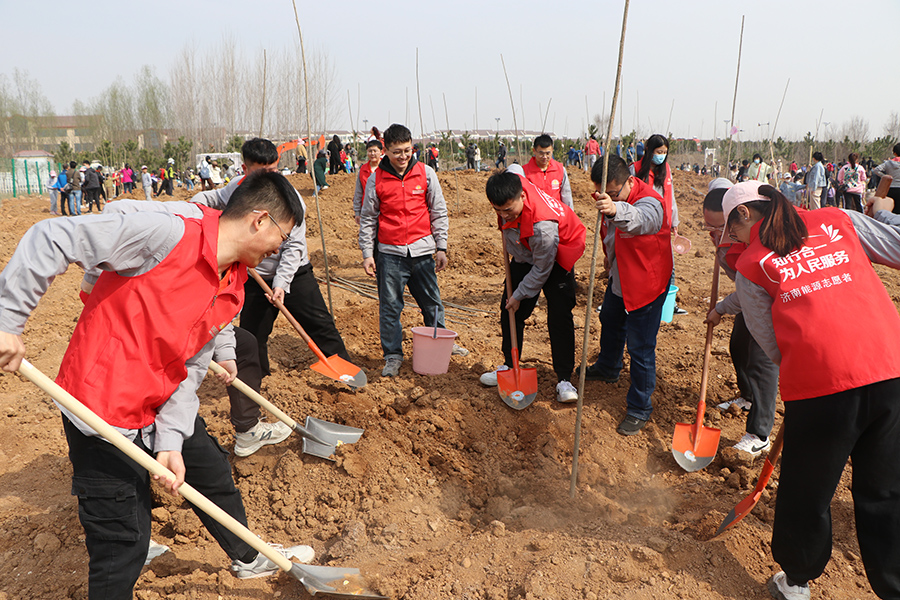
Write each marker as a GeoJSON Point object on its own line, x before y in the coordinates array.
{"type": "Point", "coordinates": [669, 124]}
{"type": "Point", "coordinates": [433, 118]}
{"type": "Point", "coordinates": [262, 115]}
{"type": "Point", "coordinates": [419, 101]}
{"type": "Point", "coordinates": [309, 141]}
{"type": "Point", "coordinates": [734, 99]}
{"type": "Point", "coordinates": [590, 297]}
{"type": "Point", "coordinates": [547, 112]}
{"type": "Point", "coordinates": [449, 133]}
{"type": "Point", "coordinates": [772, 135]}
{"type": "Point", "coordinates": [513, 106]}
{"type": "Point", "coordinates": [352, 126]}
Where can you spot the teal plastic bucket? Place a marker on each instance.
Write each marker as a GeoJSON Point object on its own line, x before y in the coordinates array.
{"type": "Point", "coordinates": [668, 310]}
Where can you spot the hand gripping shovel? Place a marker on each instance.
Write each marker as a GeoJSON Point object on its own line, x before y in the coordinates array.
{"type": "Point", "coordinates": [337, 581]}
{"type": "Point", "coordinates": [744, 507]}
{"type": "Point", "coordinates": [333, 366]}
{"type": "Point", "coordinates": [694, 446]}
{"type": "Point", "coordinates": [320, 438]}
{"type": "Point", "coordinates": [518, 387]}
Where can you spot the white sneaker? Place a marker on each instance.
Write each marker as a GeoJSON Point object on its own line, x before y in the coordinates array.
{"type": "Point", "coordinates": [741, 403]}
{"type": "Point", "coordinates": [263, 567]}
{"type": "Point", "coordinates": [490, 379]}
{"type": "Point", "coordinates": [781, 590]}
{"type": "Point", "coordinates": [261, 435]}
{"type": "Point", "coordinates": [566, 392]}
{"type": "Point", "coordinates": [752, 445]}
{"type": "Point", "coordinates": [459, 351]}
{"type": "Point", "coordinates": [155, 550]}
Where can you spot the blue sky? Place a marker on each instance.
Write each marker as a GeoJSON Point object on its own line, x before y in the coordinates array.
{"type": "Point", "coordinates": [838, 56]}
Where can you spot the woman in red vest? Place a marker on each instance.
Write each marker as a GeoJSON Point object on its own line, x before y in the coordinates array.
{"type": "Point", "coordinates": [797, 268]}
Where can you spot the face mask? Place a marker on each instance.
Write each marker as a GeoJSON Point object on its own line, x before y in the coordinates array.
{"type": "Point", "coordinates": [756, 161]}
{"type": "Point", "coordinates": [659, 159]}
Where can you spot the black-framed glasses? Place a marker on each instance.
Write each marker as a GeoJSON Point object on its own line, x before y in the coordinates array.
{"type": "Point", "coordinates": [284, 237]}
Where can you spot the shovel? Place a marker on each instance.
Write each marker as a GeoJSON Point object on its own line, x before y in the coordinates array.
{"type": "Point", "coordinates": [694, 446]}
{"type": "Point", "coordinates": [337, 581]}
{"type": "Point", "coordinates": [518, 387]}
{"type": "Point", "coordinates": [744, 507]}
{"type": "Point", "coordinates": [333, 366]}
{"type": "Point", "coordinates": [320, 438]}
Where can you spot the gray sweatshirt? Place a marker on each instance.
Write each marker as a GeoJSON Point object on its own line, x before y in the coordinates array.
{"type": "Point", "coordinates": [891, 168]}
{"type": "Point", "coordinates": [437, 209]}
{"type": "Point", "coordinates": [291, 255]}
{"type": "Point", "coordinates": [128, 244]}
{"type": "Point", "coordinates": [880, 239]}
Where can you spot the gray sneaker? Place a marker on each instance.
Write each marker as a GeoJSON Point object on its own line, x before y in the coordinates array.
{"type": "Point", "coordinates": [391, 366]}
{"type": "Point", "coordinates": [263, 567]}
{"type": "Point", "coordinates": [262, 434]}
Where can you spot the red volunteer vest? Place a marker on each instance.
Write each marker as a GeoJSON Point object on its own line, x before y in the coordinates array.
{"type": "Point", "coordinates": [645, 261]}
{"type": "Point", "coordinates": [668, 188]}
{"type": "Point", "coordinates": [364, 172]}
{"type": "Point", "coordinates": [549, 181]}
{"type": "Point", "coordinates": [541, 207]}
{"type": "Point", "coordinates": [734, 253]}
{"type": "Point", "coordinates": [403, 215]}
{"type": "Point", "coordinates": [128, 352]}
{"type": "Point", "coordinates": [821, 349]}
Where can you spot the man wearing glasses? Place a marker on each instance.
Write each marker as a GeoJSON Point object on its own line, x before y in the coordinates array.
{"type": "Point", "coordinates": [546, 173]}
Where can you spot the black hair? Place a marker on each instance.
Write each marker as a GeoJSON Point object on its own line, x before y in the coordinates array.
{"type": "Point", "coordinates": [259, 151]}
{"type": "Point", "coordinates": [745, 162]}
{"type": "Point", "coordinates": [896, 149]}
{"type": "Point", "coordinates": [72, 164]}
{"type": "Point", "coordinates": [502, 187]}
{"type": "Point", "coordinates": [396, 134]}
{"type": "Point", "coordinates": [371, 143]}
{"type": "Point", "coordinates": [755, 156]}
{"type": "Point", "coordinates": [127, 166]}
{"type": "Point", "coordinates": [543, 141]}
{"type": "Point", "coordinates": [818, 156]}
{"type": "Point", "coordinates": [208, 159]}
{"type": "Point", "coordinates": [781, 229]}
{"type": "Point", "coordinates": [618, 171]}
{"type": "Point", "coordinates": [659, 171]}
{"type": "Point", "coordinates": [853, 158]}
{"type": "Point", "coordinates": [265, 190]}
{"type": "Point", "coordinates": [713, 200]}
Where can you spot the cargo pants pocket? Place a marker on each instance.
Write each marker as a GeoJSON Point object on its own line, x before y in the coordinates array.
{"type": "Point", "coordinates": [107, 508]}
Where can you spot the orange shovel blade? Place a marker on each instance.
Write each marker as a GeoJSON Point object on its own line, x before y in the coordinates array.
{"type": "Point", "coordinates": [694, 454]}
{"type": "Point", "coordinates": [337, 368]}
{"type": "Point", "coordinates": [518, 387]}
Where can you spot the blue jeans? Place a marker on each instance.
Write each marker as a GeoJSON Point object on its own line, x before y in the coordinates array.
{"type": "Point", "coordinates": [395, 273]}
{"type": "Point", "coordinates": [74, 202]}
{"type": "Point", "coordinates": [639, 329]}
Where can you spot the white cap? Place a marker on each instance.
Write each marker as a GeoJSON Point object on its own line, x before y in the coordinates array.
{"type": "Point", "coordinates": [143, 167]}
{"type": "Point", "coordinates": [718, 183]}
{"type": "Point", "coordinates": [171, 161]}
{"type": "Point", "coordinates": [741, 193]}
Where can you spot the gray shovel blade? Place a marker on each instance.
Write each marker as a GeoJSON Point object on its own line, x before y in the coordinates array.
{"type": "Point", "coordinates": [331, 434]}
{"type": "Point", "coordinates": [335, 581]}
{"type": "Point", "coordinates": [518, 400]}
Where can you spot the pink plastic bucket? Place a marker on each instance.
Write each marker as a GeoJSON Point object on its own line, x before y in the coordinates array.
{"type": "Point", "coordinates": [431, 356]}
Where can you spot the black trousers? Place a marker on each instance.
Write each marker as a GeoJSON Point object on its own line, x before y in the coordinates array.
{"type": "Point", "coordinates": [114, 505]}
{"type": "Point", "coordinates": [304, 301]}
{"type": "Point", "coordinates": [245, 412]}
{"type": "Point", "coordinates": [820, 434]}
{"type": "Point", "coordinates": [92, 198]}
{"type": "Point", "coordinates": [559, 290]}
{"type": "Point", "coordinates": [757, 378]}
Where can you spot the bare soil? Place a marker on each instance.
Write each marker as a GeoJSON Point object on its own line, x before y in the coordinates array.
{"type": "Point", "coordinates": [449, 494]}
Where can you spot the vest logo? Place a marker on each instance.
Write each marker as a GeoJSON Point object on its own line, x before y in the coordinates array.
{"type": "Point", "coordinates": [554, 184]}
{"type": "Point", "coordinates": [418, 190]}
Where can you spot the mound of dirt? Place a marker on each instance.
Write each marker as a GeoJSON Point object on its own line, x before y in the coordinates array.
{"type": "Point", "coordinates": [449, 493]}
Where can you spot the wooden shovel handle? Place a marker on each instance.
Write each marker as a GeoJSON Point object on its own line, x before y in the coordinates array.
{"type": "Point", "coordinates": [32, 374]}
{"type": "Point", "coordinates": [254, 395]}
{"type": "Point", "coordinates": [707, 352]}
{"type": "Point", "coordinates": [512, 317]}
{"type": "Point", "coordinates": [287, 315]}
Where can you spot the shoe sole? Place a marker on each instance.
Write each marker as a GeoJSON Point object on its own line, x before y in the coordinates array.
{"type": "Point", "coordinates": [630, 432]}
{"type": "Point", "coordinates": [588, 376]}
{"type": "Point", "coordinates": [774, 591]}
{"type": "Point", "coordinates": [562, 401]}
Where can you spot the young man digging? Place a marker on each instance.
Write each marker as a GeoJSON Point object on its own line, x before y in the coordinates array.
{"type": "Point", "coordinates": [404, 213]}
{"type": "Point", "coordinates": [545, 238]}
{"type": "Point", "coordinates": [136, 357]}
{"type": "Point", "coordinates": [637, 243]}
